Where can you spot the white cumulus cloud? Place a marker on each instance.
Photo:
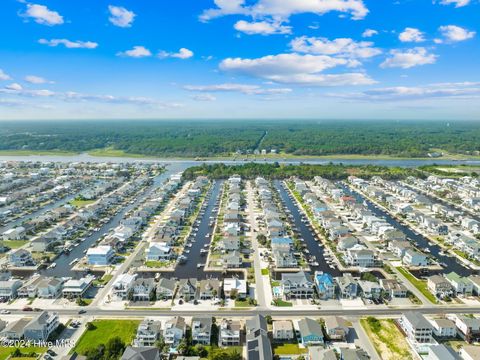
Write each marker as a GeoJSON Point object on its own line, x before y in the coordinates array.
{"type": "Point", "coordinates": [121, 17]}
{"type": "Point", "coordinates": [14, 86]}
{"type": "Point", "coordinates": [409, 58]}
{"type": "Point", "coordinates": [453, 33]}
{"type": "Point", "coordinates": [457, 3]}
{"type": "Point", "coordinates": [369, 33]}
{"type": "Point", "coordinates": [262, 27]}
{"type": "Point", "coordinates": [136, 52]}
{"type": "Point", "coordinates": [69, 44]}
{"type": "Point", "coordinates": [343, 47]}
{"type": "Point", "coordinates": [33, 79]}
{"type": "Point", "coordinates": [4, 76]}
{"type": "Point", "coordinates": [297, 69]}
{"type": "Point", "coordinates": [283, 9]}
{"type": "Point", "coordinates": [42, 15]}
{"type": "Point", "coordinates": [411, 35]}
{"type": "Point", "coordinates": [183, 54]}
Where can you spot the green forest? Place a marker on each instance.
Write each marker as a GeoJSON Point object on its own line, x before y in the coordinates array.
{"type": "Point", "coordinates": [221, 138]}
{"type": "Point", "coordinates": [303, 171]}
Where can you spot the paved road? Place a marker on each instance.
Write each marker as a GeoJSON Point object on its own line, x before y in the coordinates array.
{"type": "Point", "coordinates": [259, 285]}
{"type": "Point", "coordinates": [286, 312]}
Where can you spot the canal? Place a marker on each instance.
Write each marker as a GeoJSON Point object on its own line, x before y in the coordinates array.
{"type": "Point", "coordinates": [450, 262]}
{"type": "Point", "coordinates": [189, 268]}
{"type": "Point", "coordinates": [306, 233]}
{"type": "Point", "coordinates": [64, 266]}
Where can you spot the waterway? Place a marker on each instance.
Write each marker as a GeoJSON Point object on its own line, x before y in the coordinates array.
{"type": "Point", "coordinates": [452, 264]}
{"type": "Point", "coordinates": [185, 163]}
{"type": "Point", "coordinates": [64, 266]}
{"type": "Point", "coordinates": [189, 269]}
{"type": "Point", "coordinates": [306, 233]}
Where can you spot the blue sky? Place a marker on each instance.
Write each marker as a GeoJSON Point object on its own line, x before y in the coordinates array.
{"type": "Point", "coordinates": [325, 59]}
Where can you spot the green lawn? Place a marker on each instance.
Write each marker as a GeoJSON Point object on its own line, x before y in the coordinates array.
{"type": "Point", "coordinates": [15, 244]}
{"type": "Point", "coordinates": [105, 330]}
{"type": "Point", "coordinates": [265, 272]}
{"type": "Point", "coordinates": [104, 280]}
{"type": "Point", "coordinates": [36, 152]}
{"type": "Point", "coordinates": [421, 285]}
{"type": "Point", "coordinates": [242, 303]}
{"type": "Point", "coordinates": [387, 339]}
{"type": "Point", "coordinates": [5, 351]}
{"type": "Point", "coordinates": [282, 303]}
{"type": "Point", "coordinates": [288, 349]}
{"type": "Point", "coordinates": [81, 203]}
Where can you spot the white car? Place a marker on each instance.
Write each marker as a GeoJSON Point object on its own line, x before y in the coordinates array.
{"type": "Point", "coordinates": [4, 312]}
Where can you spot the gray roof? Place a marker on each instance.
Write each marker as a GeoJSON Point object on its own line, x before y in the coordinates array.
{"type": "Point", "coordinates": [443, 352]}
{"type": "Point", "coordinates": [309, 326]}
{"type": "Point", "coordinates": [417, 320]}
{"type": "Point", "coordinates": [141, 353]}
{"type": "Point", "coordinates": [257, 322]}
{"type": "Point", "coordinates": [354, 354]}
{"type": "Point", "coordinates": [259, 348]}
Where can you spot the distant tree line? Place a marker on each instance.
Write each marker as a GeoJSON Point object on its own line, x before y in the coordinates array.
{"type": "Point", "coordinates": [209, 138]}
{"type": "Point", "coordinates": [303, 171]}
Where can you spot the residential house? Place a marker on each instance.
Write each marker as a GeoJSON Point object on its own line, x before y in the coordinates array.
{"type": "Point", "coordinates": [235, 285]}
{"type": "Point", "coordinates": [461, 285]}
{"type": "Point", "coordinates": [20, 258]}
{"type": "Point", "coordinates": [259, 348]}
{"type": "Point", "coordinates": [123, 285]}
{"type": "Point", "coordinates": [416, 327]}
{"type": "Point", "coordinates": [148, 333]}
{"type": "Point", "coordinates": [441, 352]}
{"type": "Point", "coordinates": [311, 332]}
{"type": "Point", "coordinates": [174, 331]}
{"type": "Point", "coordinates": [9, 289]}
{"type": "Point", "coordinates": [76, 288]}
{"type": "Point", "coordinates": [360, 257]}
{"type": "Point", "coordinates": [347, 286]}
{"type": "Point", "coordinates": [336, 327]}
{"type": "Point", "coordinates": [143, 289]}
{"type": "Point", "coordinates": [209, 289]}
{"type": "Point", "coordinates": [141, 353]}
{"type": "Point", "coordinates": [444, 328]}
{"type": "Point", "coordinates": [325, 285]}
{"type": "Point", "coordinates": [15, 329]}
{"type": "Point", "coordinates": [232, 260]}
{"type": "Point", "coordinates": [283, 330]}
{"type": "Point", "coordinates": [166, 288]}
{"type": "Point", "coordinates": [101, 255]}
{"type": "Point", "coordinates": [201, 330]}
{"type": "Point", "coordinates": [468, 327]}
{"type": "Point", "coordinates": [187, 289]}
{"type": "Point", "coordinates": [297, 285]}
{"type": "Point", "coordinates": [230, 333]}
{"type": "Point", "coordinates": [439, 286]}
{"type": "Point", "coordinates": [158, 251]}
{"type": "Point", "coordinates": [370, 289]}
{"type": "Point", "coordinates": [40, 327]}
{"type": "Point", "coordinates": [414, 258]}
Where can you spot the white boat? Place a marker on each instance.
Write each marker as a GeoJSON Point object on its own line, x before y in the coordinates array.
{"type": "Point", "coordinates": [52, 265]}
{"type": "Point", "coordinates": [74, 261]}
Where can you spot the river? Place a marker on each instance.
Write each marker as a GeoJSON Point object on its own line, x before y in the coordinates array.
{"type": "Point", "coordinates": [185, 163]}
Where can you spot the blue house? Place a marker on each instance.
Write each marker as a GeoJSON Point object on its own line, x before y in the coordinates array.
{"type": "Point", "coordinates": [325, 285]}
{"type": "Point", "coordinates": [310, 332]}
